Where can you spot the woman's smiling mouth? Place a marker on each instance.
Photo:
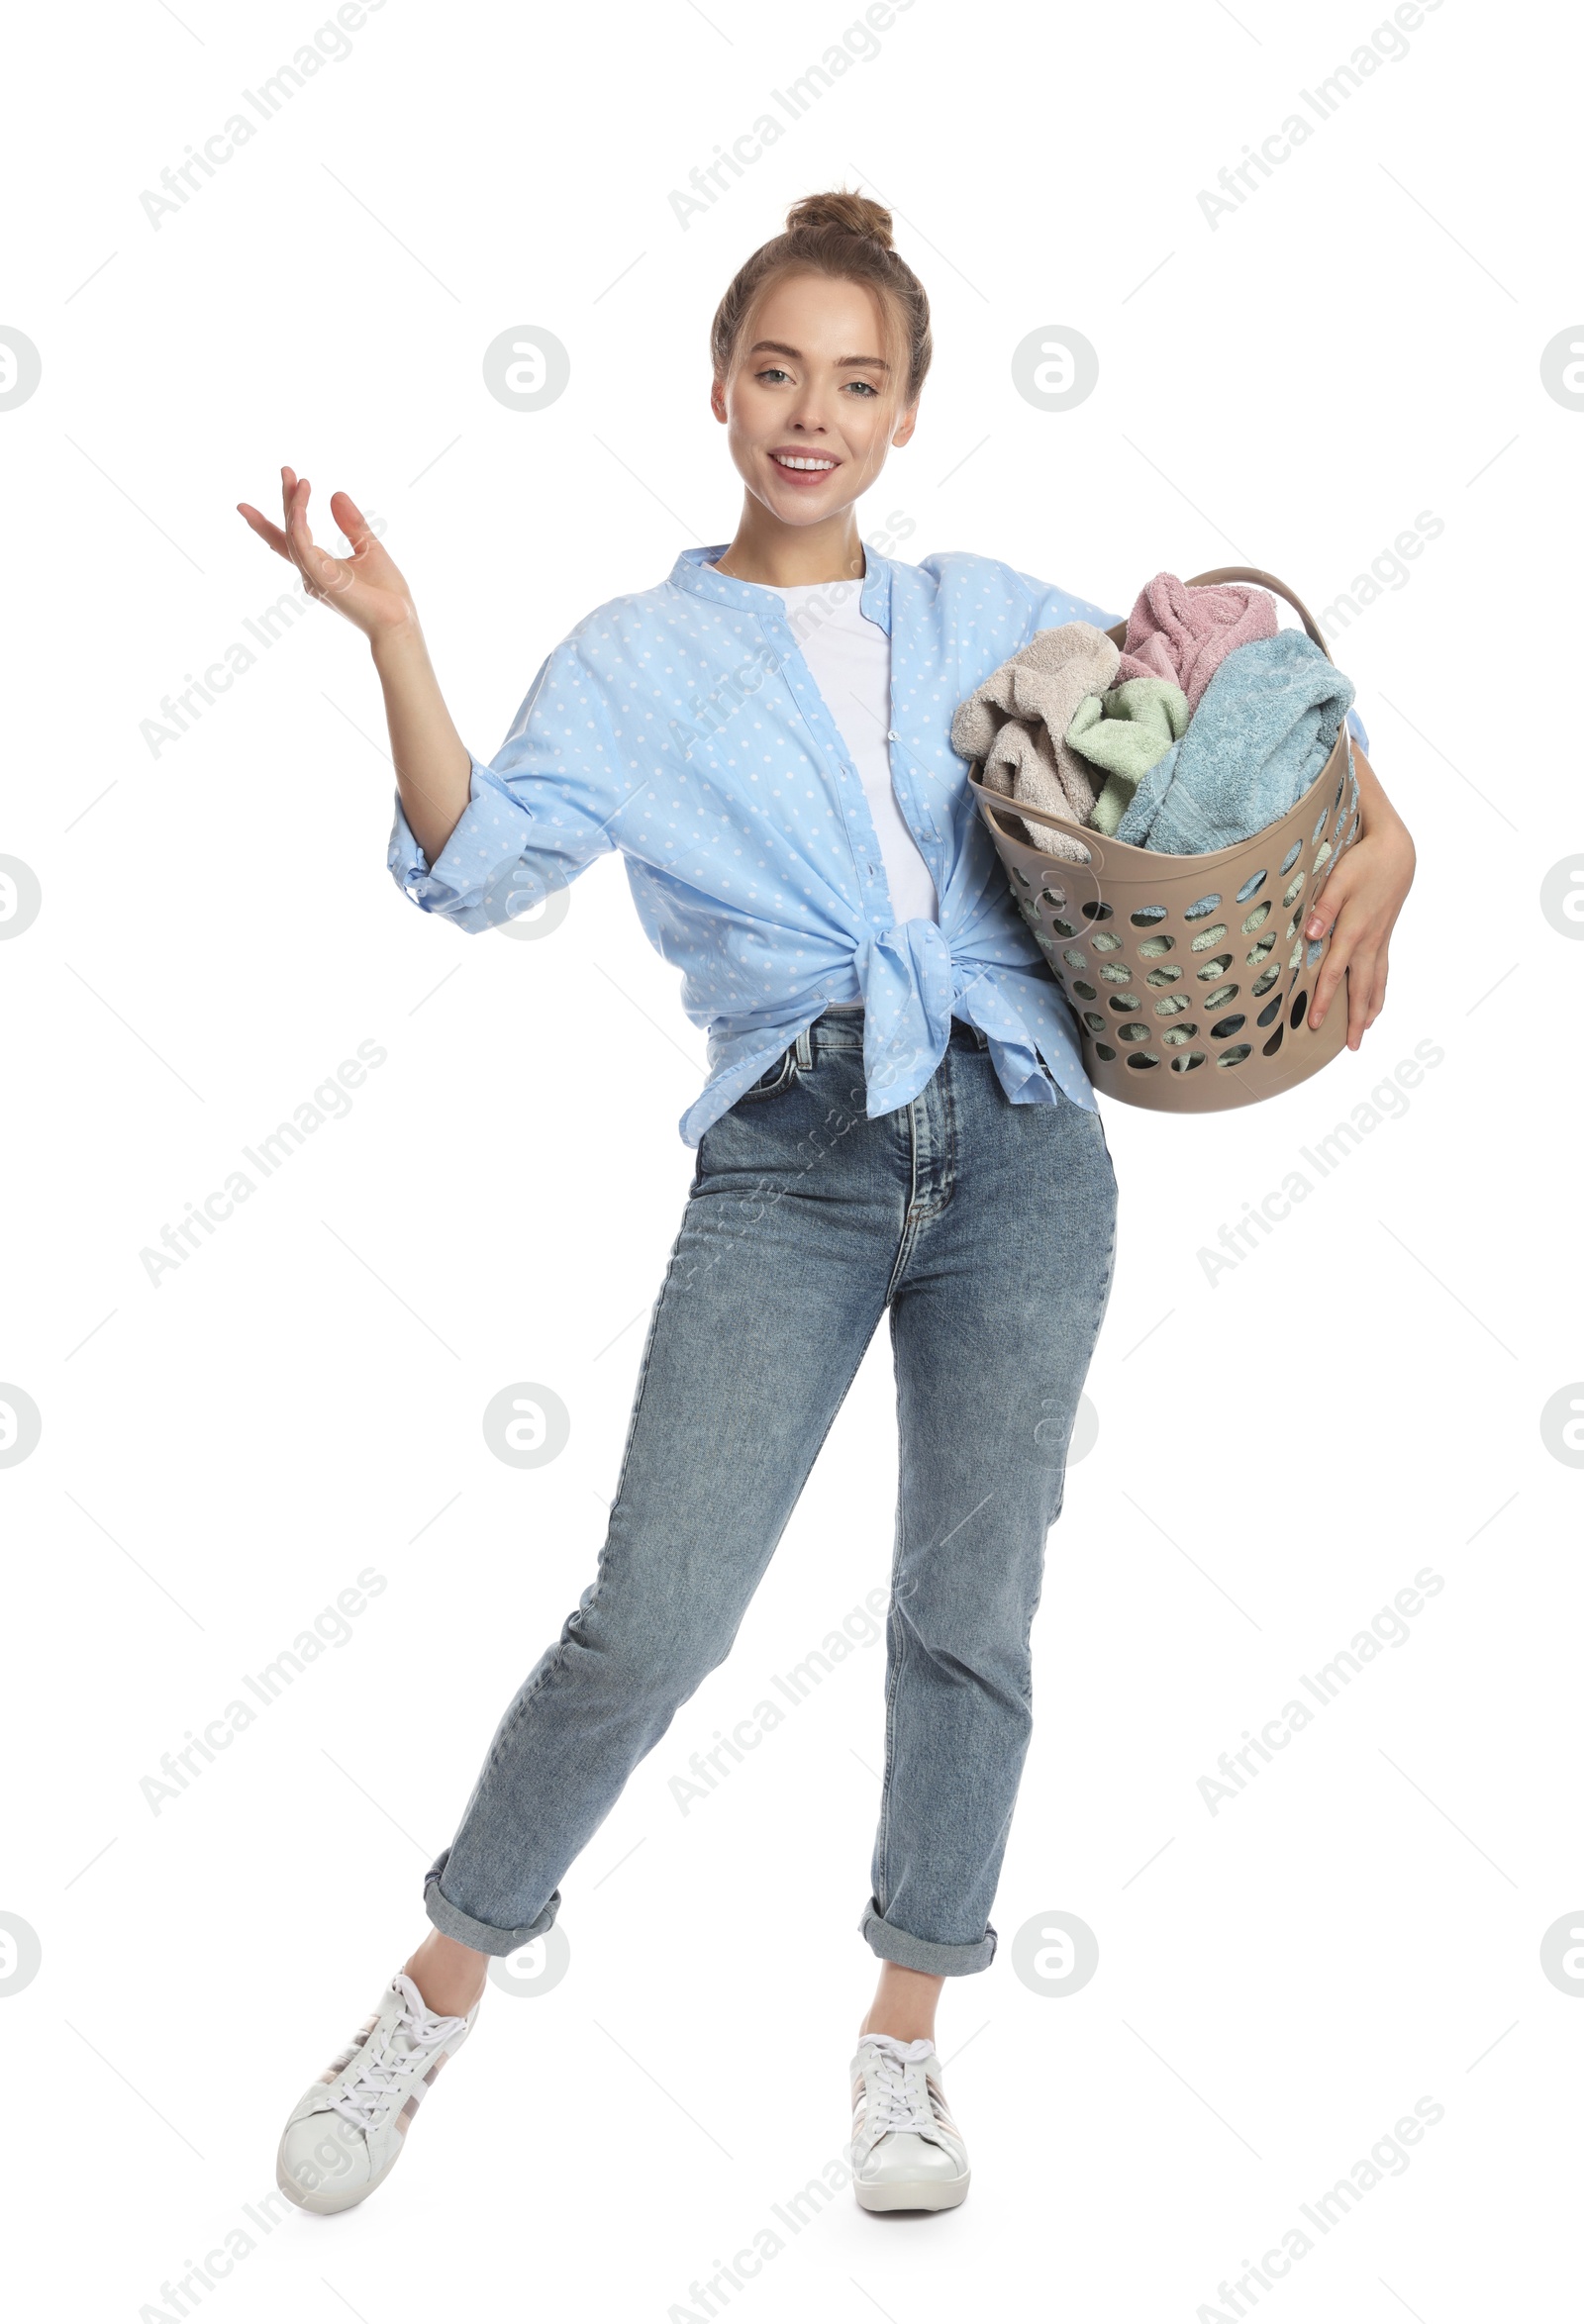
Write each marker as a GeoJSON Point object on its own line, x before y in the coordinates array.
{"type": "Point", "coordinates": [804, 467]}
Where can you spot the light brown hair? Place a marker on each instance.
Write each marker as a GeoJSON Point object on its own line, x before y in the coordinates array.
{"type": "Point", "coordinates": [848, 236]}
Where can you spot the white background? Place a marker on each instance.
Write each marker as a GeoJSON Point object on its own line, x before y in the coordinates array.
{"type": "Point", "coordinates": [1278, 1452]}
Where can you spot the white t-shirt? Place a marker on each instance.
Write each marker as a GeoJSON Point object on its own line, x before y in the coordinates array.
{"type": "Point", "coordinates": [849, 660]}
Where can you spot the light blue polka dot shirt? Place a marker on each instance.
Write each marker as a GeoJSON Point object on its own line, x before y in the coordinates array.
{"type": "Point", "coordinates": [681, 727]}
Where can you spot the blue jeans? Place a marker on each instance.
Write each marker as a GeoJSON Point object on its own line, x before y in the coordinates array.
{"type": "Point", "coordinates": [988, 1230]}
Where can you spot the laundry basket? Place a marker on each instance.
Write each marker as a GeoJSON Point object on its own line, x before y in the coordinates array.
{"type": "Point", "coordinates": [1190, 975]}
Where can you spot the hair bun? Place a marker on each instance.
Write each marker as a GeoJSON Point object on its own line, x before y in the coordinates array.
{"type": "Point", "coordinates": [848, 213]}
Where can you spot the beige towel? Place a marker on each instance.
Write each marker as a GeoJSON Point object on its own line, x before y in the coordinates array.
{"type": "Point", "coordinates": [1015, 725]}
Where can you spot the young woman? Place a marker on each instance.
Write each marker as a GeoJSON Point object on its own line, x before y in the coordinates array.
{"type": "Point", "coordinates": [897, 1118]}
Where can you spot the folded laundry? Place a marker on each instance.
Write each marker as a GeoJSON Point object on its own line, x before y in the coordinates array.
{"type": "Point", "coordinates": [1016, 724]}
{"type": "Point", "coordinates": [1125, 731]}
{"type": "Point", "coordinates": [1185, 633]}
{"type": "Point", "coordinates": [1260, 734]}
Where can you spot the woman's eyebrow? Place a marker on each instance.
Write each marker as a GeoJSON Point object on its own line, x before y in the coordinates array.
{"type": "Point", "coordinates": [776, 346]}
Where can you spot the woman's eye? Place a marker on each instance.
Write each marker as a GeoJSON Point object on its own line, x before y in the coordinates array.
{"type": "Point", "coordinates": [772, 372]}
{"type": "Point", "coordinates": [867, 387]}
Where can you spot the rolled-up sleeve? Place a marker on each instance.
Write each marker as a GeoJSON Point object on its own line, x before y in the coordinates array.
{"type": "Point", "coordinates": [539, 813]}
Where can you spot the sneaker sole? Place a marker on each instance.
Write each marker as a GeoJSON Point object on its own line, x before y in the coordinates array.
{"type": "Point", "coordinates": [913, 2194]}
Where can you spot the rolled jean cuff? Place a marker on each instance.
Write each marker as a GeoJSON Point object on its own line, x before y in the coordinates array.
{"type": "Point", "coordinates": [910, 1952]}
{"type": "Point", "coordinates": [482, 1935]}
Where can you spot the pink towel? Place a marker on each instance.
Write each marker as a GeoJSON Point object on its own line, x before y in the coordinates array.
{"type": "Point", "coordinates": [1184, 634]}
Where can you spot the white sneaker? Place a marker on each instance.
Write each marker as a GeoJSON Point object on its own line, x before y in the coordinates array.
{"type": "Point", "coordinates": [908, 2154]}
{"type": "Point", "coordinates": [347, 2130]}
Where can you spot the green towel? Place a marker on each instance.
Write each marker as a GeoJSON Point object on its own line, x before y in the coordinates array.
{"type": "Point", "coordinates": [1125, 732]}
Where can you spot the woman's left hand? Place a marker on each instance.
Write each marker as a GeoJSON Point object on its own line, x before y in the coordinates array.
{"type": "Point", "coordinates": [1358, 907]}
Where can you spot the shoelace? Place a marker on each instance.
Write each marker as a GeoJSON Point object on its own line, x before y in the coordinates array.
{"type": "Point", "coordinates": [380, 2077]}
{"type": "Point", "coordinates": [892, 2105]}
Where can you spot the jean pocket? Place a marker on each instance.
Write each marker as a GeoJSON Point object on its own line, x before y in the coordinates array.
{"type": "Point", "coordinates": [775, 1079]}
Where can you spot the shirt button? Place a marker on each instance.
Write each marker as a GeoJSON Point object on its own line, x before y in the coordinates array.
{"type": "Point", "coordinates": [892, 736]}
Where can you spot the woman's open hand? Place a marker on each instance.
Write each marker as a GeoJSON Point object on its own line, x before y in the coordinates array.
{"type": "Point", "coordinates": [1358, 907]}
{"type": "Point", "coordinates": [366, 586]}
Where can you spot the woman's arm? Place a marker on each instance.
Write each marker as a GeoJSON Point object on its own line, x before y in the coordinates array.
{"type": "Point", "coordinates": [1359, 903]}
{"type": "Point", "coordinates": [432, 765]}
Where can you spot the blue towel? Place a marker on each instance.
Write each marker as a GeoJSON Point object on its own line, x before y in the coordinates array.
{"type": "Point", "coordinates": [1263, 729]}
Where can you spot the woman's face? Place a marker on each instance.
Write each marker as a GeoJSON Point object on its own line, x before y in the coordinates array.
{"type": "Point", "coordinates": [811, 407]}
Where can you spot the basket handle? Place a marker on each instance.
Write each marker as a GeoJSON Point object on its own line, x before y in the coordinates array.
{"type": "Point", "coordinates": [1119, 634]}
{"type": "Point", "coordinates": [999, 804]}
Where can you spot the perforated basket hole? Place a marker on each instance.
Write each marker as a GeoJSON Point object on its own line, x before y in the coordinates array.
{"type": "Point", "coordinates": [1094, 910]}
{"type": "Point", "coordinates": [1164, 976]}
{"type": "Point", "coordinates": [1219, 998]}
{"type": "Point", "coordinates": [1251, 887]}
{"type": "Point", "coordinates": [1074, 958]}
{"type": "Point", "coordinates": [1237, 1055]}
{"type": "Point", "coordinates": [1021, 876]}
{"type": "Point", "coordinates": [1295, 958]}
{"type": "Point", "coordinates": [1226, 1027]}
{"type": "Point", "coordinates": [1125, 1003]}
{"type": "Point", "coordinates": [1295, 1014]}
{"type": "Point", "coordinates": [1291, 927]}
{"type": "Point", "coordinates": [1265, 947]}
{"type": "Point", "coordinates": [1208, 937]}
{"type": "Point", "coordinates": [1351, 829]}
{"type": "Point", "coordinates": [1083, 991]}
{"type": "Point", "coordinates": [1257, 917]}
{"type": "Point", "coordinates": [1109, 1054]}
{"type": "Point", "coordinates": [1289, 859]}
{"type": "Point", "coordinates": [1117, 973]}
{"type": "Point", "coordinates": [1187, 1064]}
{"type": "Point", "coordinates": [1155, 947]}
{"type": "Point", "coordinates": [1172, 1006]}
{"type": "Point", "coordinates": [1179, 1033]}
{"type": "Point", "coordinates": [1146, 915]}
{"type": "Point", "coordinates": [1315, 950]}
{"type": "Point", "coordinates": [1319, 826]}
{"type": "Point", "coordinates": [1103, 943]}
{"type": "Point", "coordinates": [1321, 857]}
{"type": "Point", "coordinates": [1262, 984]}
{"type": "Point", "coordinates": [1214, 968]}
{"type": "Point", "coordinates": [1095, 1024]}
{"type": "Point", "coordinates": [1141, 1061]}
{"type": "Point", "coordinates": [1341, 781]}
{"type": "Point", "coordinates": [1293, 889]}
{"type": "Point", "coordinates": [1133, 1032]}
{"type": "Point", "coordinates": [1271, 1011]}
{"type": "Point", "coordinates": [1203, 909]}
{"type": "Point", "coordinates": [1056, 897]}
{"type": "Point", "coordinates": [1274, 1044]}
{"type": "Point", "coordinates": [1063, 927]}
